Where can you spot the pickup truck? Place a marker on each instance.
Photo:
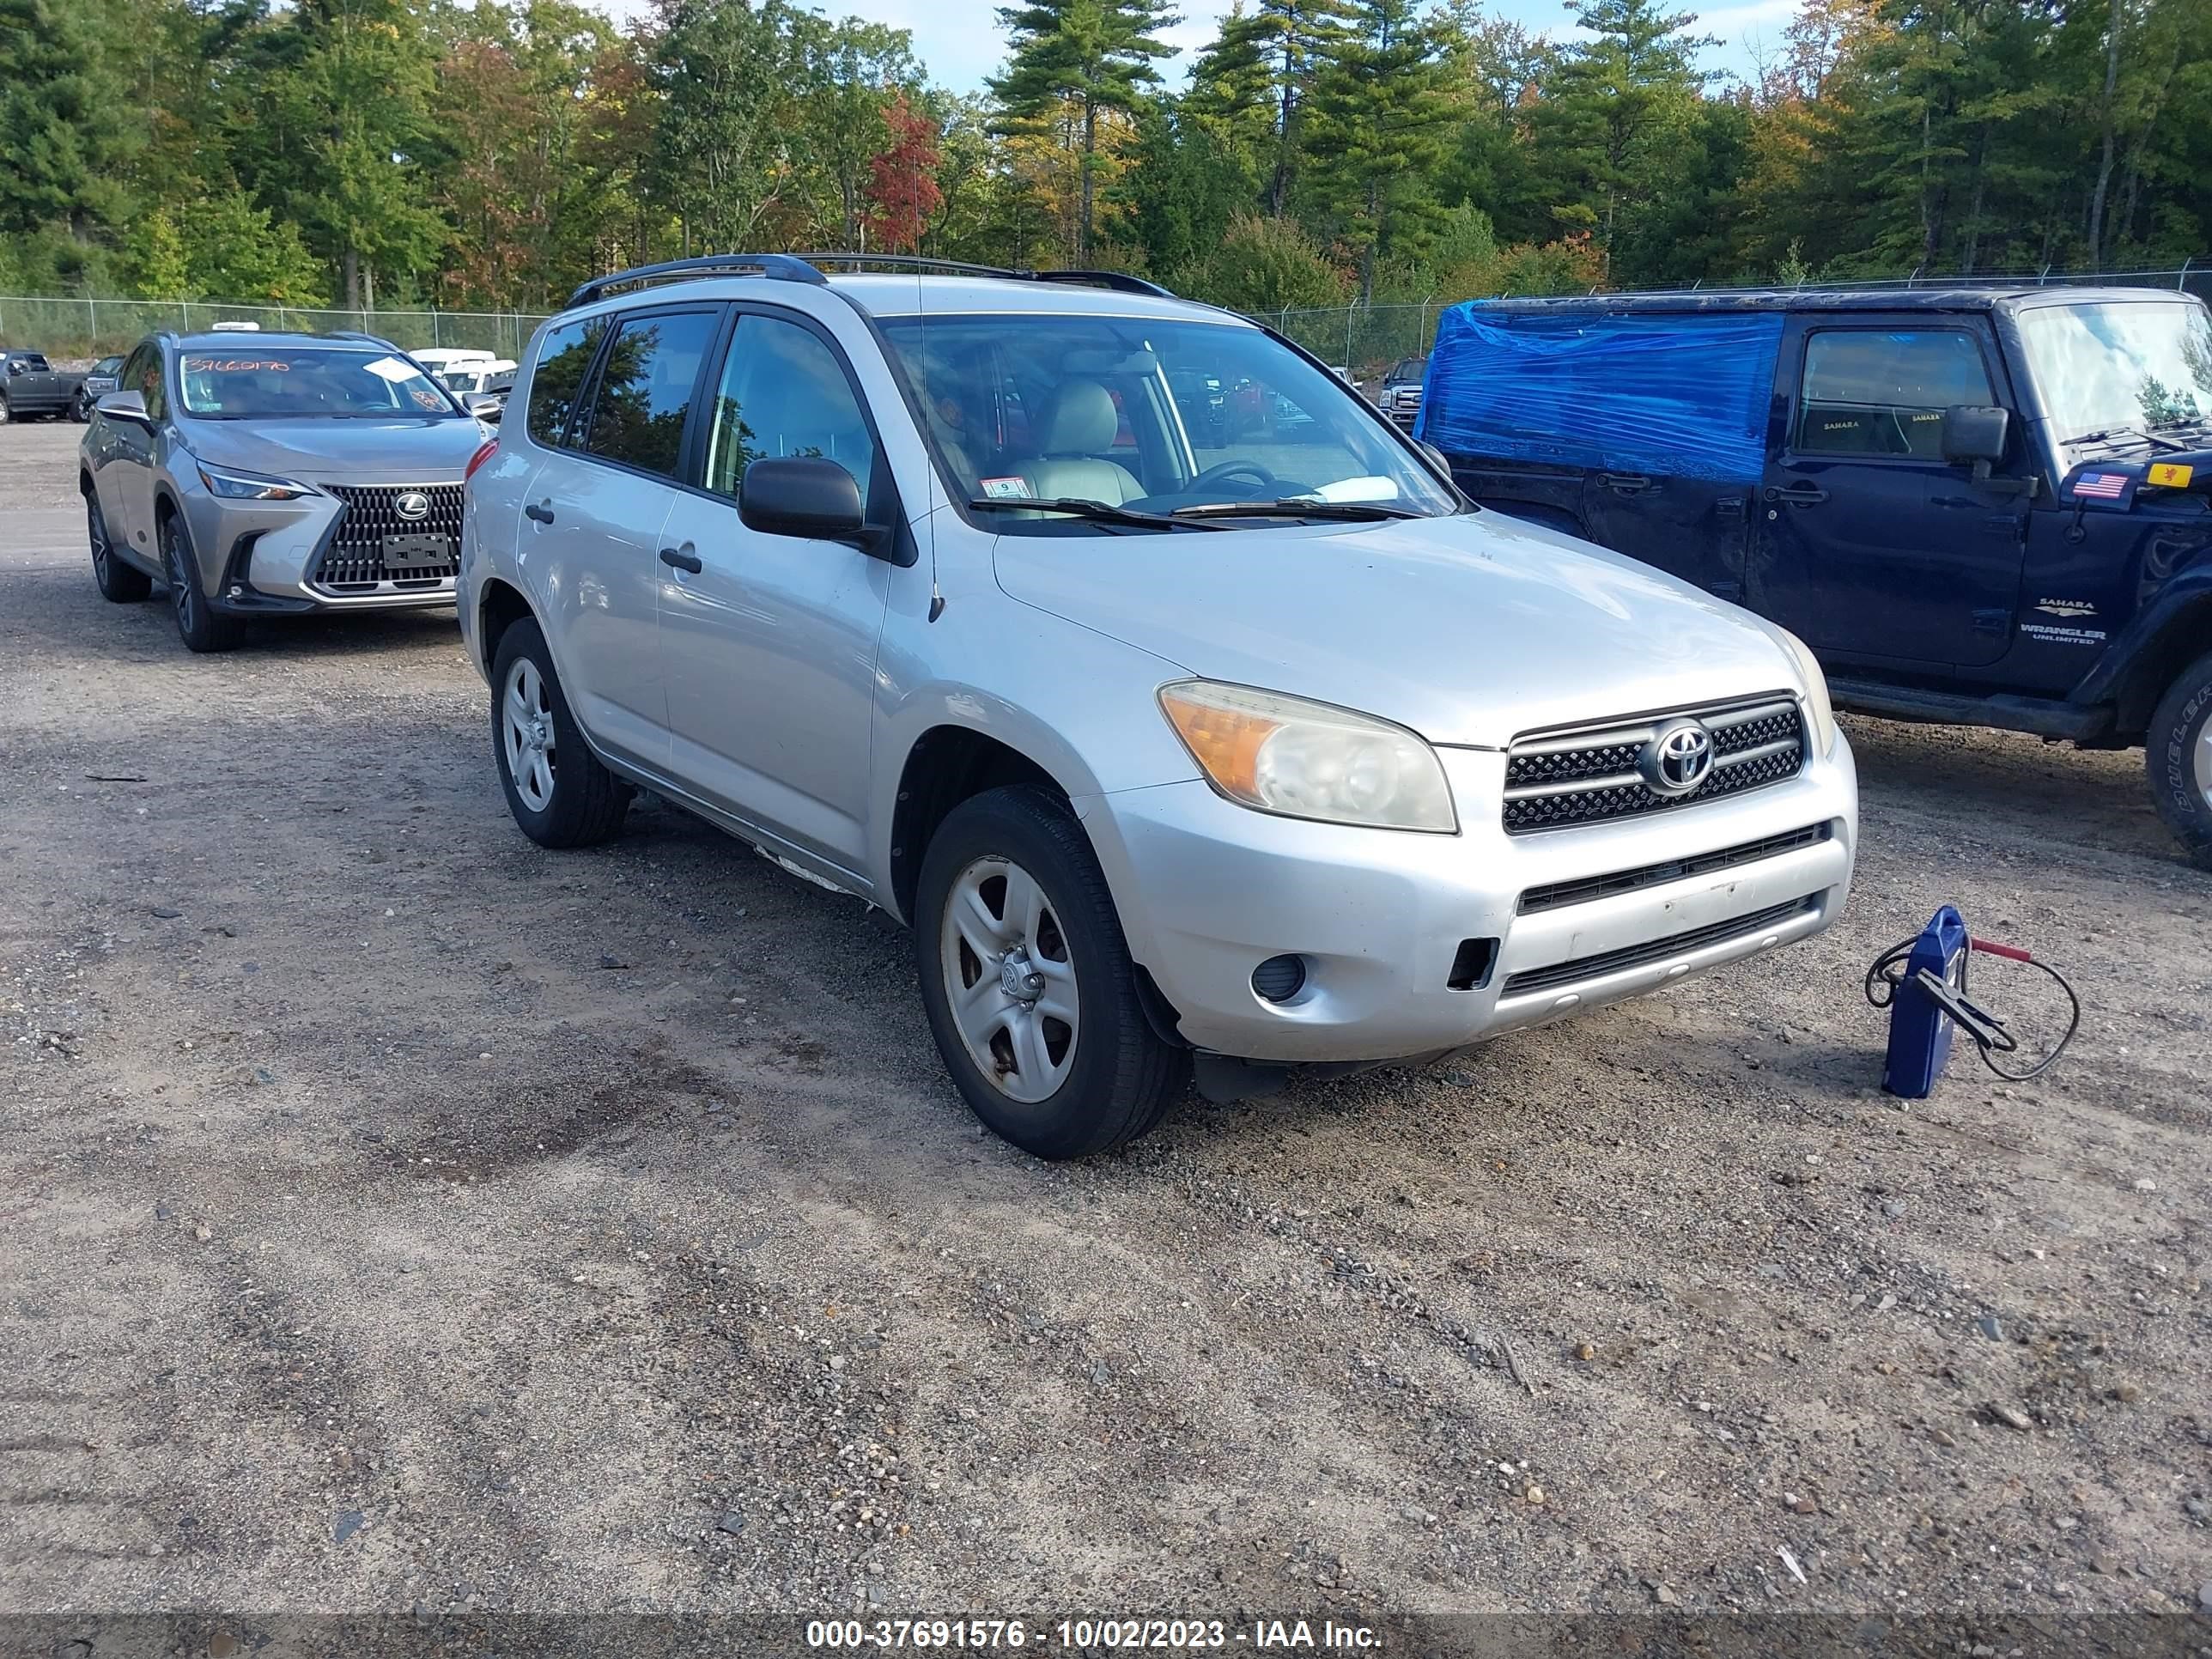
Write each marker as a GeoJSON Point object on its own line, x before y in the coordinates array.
{"type": "Point", "coordinates": [1981, 506]}
{"type": "Point", "coordinates": [29, 389]}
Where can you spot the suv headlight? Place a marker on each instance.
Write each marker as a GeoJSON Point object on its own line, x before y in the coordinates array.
{"type": "Point", "coordinates": [249, 486]}
{"type": "Point", "coordinates": [1310, 760]}
{"type": "Point", "coordinates": [1821, 712]}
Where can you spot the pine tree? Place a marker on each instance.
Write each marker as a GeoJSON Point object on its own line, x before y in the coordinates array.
{"type": "Point", "coordinates": [1294, 39]}
{"type": "Point", "coordinates": [1089, 55]}
{"type": "Point", "coordinates": [1380, 112]}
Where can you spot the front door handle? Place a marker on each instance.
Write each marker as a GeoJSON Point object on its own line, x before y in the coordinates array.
{"type": "Point", "coordinates": [541, 512]}
{"type": "Point", "coordinates": [1798, 495]}
{"type": "Point", "coordinates": [676, 559]}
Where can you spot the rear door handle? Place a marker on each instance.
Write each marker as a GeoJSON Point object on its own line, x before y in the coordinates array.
{"type": "Point", "coordinates": [676, 559]}
{"type": "Point", "coordinates": [1624, 483]}
{"type": "Point", "coordinates": [540, 511]}
{"type": "Point", "coordinates": [1798, 495]}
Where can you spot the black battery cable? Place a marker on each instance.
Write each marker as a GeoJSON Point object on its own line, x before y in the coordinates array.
{"type": "Point", "coordinates": [1988, 1033]}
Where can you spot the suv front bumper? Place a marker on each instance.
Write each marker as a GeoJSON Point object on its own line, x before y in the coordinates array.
{"type": "Point", "coordinates": [1384, 922]}
{"type": "Point", "coordinates": [262, 558]}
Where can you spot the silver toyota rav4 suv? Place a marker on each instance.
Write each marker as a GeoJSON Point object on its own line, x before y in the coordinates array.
{"type": "Point", "coordinates": [256, 474]}
{"type": "Point", "coordinates": [1228, 752]}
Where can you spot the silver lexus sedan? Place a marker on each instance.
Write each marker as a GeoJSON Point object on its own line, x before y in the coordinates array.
{"type": "Point", "coordinates": [255, 474]}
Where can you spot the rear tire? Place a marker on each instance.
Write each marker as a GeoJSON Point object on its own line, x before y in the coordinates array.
{"type": "Point", "coordinates": [1051, 936]}
{"type": "Point", "coordinates": [556, 787]}
{"type": "Point", "coordinates": [199, 625]}
{"type": "Point", "coordinates": [3, 409]}
{"type": "Point", "coordinates": [119, 583]}
{"type": "Point", "coordinates": [2178, 752]}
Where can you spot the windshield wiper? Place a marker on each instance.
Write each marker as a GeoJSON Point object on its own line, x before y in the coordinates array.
{"type": "Point", "coordinates": [1297, 506]}
{"type": "Point", "coordinates": [2105, 433]}
{"type": "Point", "coordinates": [1101, 512]}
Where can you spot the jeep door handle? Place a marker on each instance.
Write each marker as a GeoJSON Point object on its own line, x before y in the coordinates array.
{"type": "Point", "coordinates": [676, 559]}
{"type": "Point", "coordinates": [1624, 483]}
{"type": "Point", "coordinates": [541, 512]}
{"type": "Point", "coordinates": [1801, 495]}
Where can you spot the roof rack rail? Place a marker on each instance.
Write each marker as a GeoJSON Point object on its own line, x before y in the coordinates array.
{"type": "Point", "coordinates": [356, 334]}
{"type": "Point", "coordinates": [1120, 281]}
{"type": "Point", "coordinates": [802, 268]}
{"type": "Point", "coordinates": [784, 267]}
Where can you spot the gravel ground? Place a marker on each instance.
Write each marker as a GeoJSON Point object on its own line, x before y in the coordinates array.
{"type": "Point", "coordinates": [395, 1215]}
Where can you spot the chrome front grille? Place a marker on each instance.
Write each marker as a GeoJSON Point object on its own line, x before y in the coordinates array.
{"type": "Point", "coordinates": [353, 560]}
{"type": "Point", "coordinates": [1561, 779]}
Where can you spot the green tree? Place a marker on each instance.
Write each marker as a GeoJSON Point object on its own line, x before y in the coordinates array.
{"type": "Point", "coordinates": [1092, 55]}
{"type": "Point", "coordinates": [1294, 39]}
{"type": "Point", "coordinates": [62, 134]}
{"type": "Point", "coordinates": [155, 256]}
{"type": "Point", "coordinates": [1267, 265]}
{"type": "Point", "coordinates": [721, 154]}
{"type": "Point", "coordinates": [1607, 127]}
{"type": "Point", "coordinates": [1380, 114]}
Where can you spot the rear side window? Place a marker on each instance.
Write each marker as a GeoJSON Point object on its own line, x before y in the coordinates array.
{"type": "Point", "coordinates": [645, 387]}
{"type": "Point", "coordinates": [561, 366]}
{"type": "Point", "coordinates": [1883, 392]}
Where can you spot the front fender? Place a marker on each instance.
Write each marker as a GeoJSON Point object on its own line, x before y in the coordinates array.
{"type": "Point", "coordinates": [2172, 628]}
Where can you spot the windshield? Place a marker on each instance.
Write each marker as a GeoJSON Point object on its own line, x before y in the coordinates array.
{"type": "Point", "coordinates": [274, 383]}
{"type": "Point", "coordinates": [1155, 417]}
{"type": "Point", "coordinates": [2120, 364]}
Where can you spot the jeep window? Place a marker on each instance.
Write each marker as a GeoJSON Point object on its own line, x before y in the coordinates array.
{"type": "Point", "coordinates": [1152, 415]}
{"type": "Point", "coordinates": [275, 382]}
{"type": "Point", "coordinates": [1868, 391]}
{"type": "Point", "coordinates": [644, 389]}
{"type": "Point", "coordinates": [2120, 364]}
{"type": "Point", "coordinates": [561, 365]}
{"type": "Point", "coordinates": [783, 392]}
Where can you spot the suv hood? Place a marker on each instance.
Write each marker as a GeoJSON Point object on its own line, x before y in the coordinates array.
{"type": "Point", "coordinates": [1469, 630]}
{"type": "Point", "coordinates": [340, 451]}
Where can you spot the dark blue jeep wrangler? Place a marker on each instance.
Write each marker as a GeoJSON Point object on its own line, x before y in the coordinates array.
{"type": "Point", "coordinates": [1983, 506]}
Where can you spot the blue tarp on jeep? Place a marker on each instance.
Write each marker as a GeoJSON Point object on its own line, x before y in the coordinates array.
{"type": "Point", "coordinates": [1683, 395]}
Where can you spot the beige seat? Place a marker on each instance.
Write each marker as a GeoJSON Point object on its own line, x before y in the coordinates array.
{"type": "Point", "coordinates": [1077, 431]}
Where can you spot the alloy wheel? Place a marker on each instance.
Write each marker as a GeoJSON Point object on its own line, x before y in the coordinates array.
{"type": "Point", "coordinates": [2202, 759]}
{"type": "Point", "coordinates": [526, 729]}
{"type": "Point", "coordinates": [1010, 979]}
{"type": "Point", "coordinates": [182, 588]}
{"type": "Point", "coordinates": [95, 525]}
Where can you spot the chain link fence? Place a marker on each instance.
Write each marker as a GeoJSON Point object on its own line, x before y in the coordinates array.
{"type": "Point", "coordinates": [1364, 339]}
{"type": "Point", "coordinates": [100, 328]}
{"type": "Point", "coordinates": [1367, 339]}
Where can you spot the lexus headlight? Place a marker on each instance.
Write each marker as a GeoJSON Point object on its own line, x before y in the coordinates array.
{"type": "Point", "coordinates": [1310, 760]}
{"type": "Point", "coordinates": [1817, 706]}
{"type": "Point", "coordinates": [250, 486]}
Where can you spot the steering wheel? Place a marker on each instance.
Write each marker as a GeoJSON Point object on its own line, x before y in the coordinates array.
{"type": "Point", "coordinates": [1215, 474]}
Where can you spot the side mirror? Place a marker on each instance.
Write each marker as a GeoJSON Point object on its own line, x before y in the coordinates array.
{"type": "Point", "coordinates": [486, 410]}
{"type": "Point", "coordinates": [125, 406]}
{"type": "Point", "coordinates": [15, 368]}
{"type": "Point", "coordinates": [804, 497]}
{"type": "Point", "coordinates": [1975, 433]}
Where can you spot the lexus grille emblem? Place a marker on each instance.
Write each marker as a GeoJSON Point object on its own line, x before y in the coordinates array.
{"type": "Point", "coordinates": [414, 507]}
{"type": "Point", "coordinates": [1678, 759]}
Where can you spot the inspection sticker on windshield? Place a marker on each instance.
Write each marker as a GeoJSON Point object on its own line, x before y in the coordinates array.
{"type": "Point", "coordinates": [392, 370]}
{"type": "Point", "coordinates": [999, 489]}
{"type": "Point", "coordinates": [2170, 475]}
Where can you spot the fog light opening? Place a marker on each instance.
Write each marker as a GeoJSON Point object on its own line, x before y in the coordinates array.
{"type": "Point", "coordinates": [1280, 978]}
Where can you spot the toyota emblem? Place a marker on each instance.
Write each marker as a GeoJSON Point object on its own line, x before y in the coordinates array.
{"type": "Point", "coordinates": [414, 507]}
{"type": "Point", "coordinates": [1678, 759]}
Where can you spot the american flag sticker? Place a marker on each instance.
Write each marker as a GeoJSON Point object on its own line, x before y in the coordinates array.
{"type": "Point", "coordinates": [2103, 486]}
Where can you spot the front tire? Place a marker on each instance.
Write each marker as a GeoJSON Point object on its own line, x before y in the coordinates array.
{"type": "Point", "coordinates": [119, 583]}
{"type": "Point", "coordinates": [555, 786]}
{"type": "Point", "coordinates": [2178, 752]}
{"type": "Point", "coordinates": [1028, 983]}
{"type": "Point", "coordinates": [198, 624]}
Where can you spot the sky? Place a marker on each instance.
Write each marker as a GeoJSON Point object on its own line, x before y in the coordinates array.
{"type": "Point", "coordinates": [960, 41]}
